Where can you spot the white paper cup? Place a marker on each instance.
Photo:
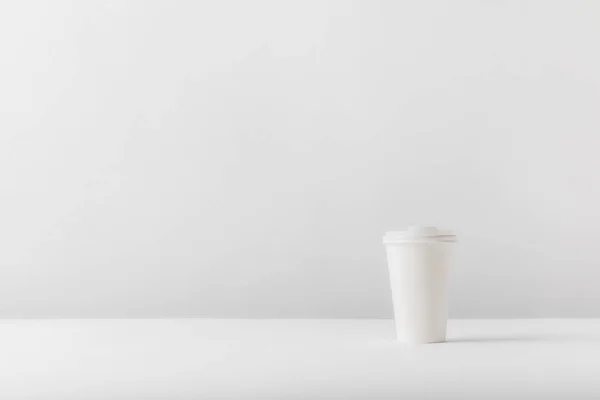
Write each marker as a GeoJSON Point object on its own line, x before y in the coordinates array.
{"type": "Point", "coordinates": [418, 262]}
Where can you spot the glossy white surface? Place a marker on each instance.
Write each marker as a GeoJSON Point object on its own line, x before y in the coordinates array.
{"type": "Point", "coordinates": [295, 359]}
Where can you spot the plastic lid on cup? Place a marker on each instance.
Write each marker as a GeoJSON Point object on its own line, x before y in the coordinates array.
{"type": "Point", "coordinates": [416, 234]}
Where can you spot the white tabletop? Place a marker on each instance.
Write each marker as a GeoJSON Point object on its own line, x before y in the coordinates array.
{"type": "Point", "coordinates": [296, 359]}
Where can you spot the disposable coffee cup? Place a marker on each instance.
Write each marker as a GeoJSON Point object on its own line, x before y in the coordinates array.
{"type": "Point", "coordinates": [418, 262]}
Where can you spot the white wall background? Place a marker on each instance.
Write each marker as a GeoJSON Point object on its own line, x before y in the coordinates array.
{"type": "Point", "coordinates": [243, 158]}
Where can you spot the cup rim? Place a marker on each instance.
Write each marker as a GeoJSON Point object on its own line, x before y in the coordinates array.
{"type": "Point", "coordinates": [419, 235]}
